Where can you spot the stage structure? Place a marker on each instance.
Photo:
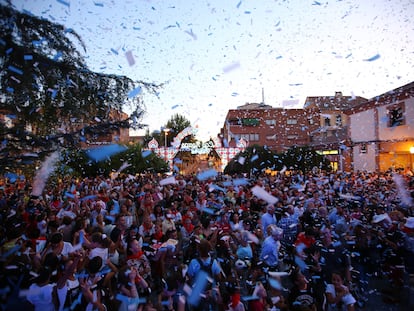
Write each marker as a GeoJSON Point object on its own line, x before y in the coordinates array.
{"type": "Point", "coordinates": [196, 149]}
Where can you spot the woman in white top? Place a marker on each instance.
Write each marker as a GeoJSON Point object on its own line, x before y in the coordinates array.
{"type": "Point", "coordinates": [338, 296]}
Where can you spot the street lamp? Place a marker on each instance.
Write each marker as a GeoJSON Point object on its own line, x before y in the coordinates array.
{"type": "Point", "coordinates": [166, 130]}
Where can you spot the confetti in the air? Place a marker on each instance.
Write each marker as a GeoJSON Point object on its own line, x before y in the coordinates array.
{"type": "Point", "coordinates": [134, 92]}
{"type": "Point", "coordinates": [264, 195]}
{"type": "Point", "coordinates": [210, 173]}
{"type": "Point", "coordinates": [105, 152]}
{"type": "Point", "coordinates": [371, 59]}
{"type": "Point", "coordinates": [231, 67]}
{"type": "Point", "coordinates": [42, 175]}
{"type": "Point", "coordinates": [130, 58]}
{"type": "Point", "coordinates": [168, 181]}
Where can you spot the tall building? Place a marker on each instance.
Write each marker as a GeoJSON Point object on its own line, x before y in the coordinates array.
{"type": "Point", "coordinates": [331, 137]}
{"type": "Point", "coordinates": [277, 128]}
{"type": "Point", "coordinates": [382, 131]}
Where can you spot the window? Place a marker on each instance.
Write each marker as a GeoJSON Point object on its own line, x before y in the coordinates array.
{"type": "Point", "coordinates": [363, 148]}
{"type": "Point", "coordinates": [292, 121]}
{"type": "Point", "coordinates": [327, 121]}
{"type": "Point", "coordinates": [248, 137]}
{"type": "Point", "coordinates": [250, 122]}
{"type": "Point", "coordinates": [338, 120]}
{"type": "Point", "coordinates": [292, 137]}
{"type": "Point", "coordinates": [254, 137]}
{"type": "Point", "coordinates": [396, 115]}
{"type": "Point", "coordinates": [271, 137]}
{"type": "Point", "coordinates": [271, 122]}
{"type": "Point", "coordinates": [245, 137]}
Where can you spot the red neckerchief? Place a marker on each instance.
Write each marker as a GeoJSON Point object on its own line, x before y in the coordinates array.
{"type": "Point", "coordinates": [189, 227]}
{"type": "Point", "coordinates": [136, 255]}
{"type": "Point", "coordinates": [158, 235]}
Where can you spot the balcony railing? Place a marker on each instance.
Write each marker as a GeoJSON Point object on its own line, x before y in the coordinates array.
{"type": "Point", "coordinates": [328, 135]}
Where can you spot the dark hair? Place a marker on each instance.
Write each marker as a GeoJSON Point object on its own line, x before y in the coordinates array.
{"type": "Point", "coordinates": [95, 264]}
{"type": "Point", "coordinates": [204, 248]}
{"type": "Point", "coordinates": [56, 238]}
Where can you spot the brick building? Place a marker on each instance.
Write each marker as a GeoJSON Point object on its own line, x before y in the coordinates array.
{"type": "Point", "coordinates": [276, 128]}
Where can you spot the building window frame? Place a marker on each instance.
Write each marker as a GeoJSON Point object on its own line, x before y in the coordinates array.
{"type": "Point", "coordinates": [396, 115]}
{"type": "Point", "coordinates": [338, 120]}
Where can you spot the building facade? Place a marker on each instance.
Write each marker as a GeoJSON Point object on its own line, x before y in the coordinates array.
{"type": "Point", "coordinates": [331, 138]}
{"type": "Point", "coordinates": [382, 131]}
{"type": "Point", "coordinates": [277, 128]}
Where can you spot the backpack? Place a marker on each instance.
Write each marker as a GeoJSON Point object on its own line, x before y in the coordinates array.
{"type": "Point", "coordinates": [205, 268]}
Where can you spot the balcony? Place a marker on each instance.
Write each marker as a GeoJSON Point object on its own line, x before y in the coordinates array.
{"type": "Point", "coordinates": [328, 135]}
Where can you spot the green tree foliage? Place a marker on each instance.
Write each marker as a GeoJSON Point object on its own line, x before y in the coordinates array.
{"type": "Point", "coordinates": [174, 126]}
{"type": "Point", "coordinates": [305, 159]}
{"type": "Point", "coordinates": [253, 160]}
{"type": "Point", "coordinates": [46, 84]}
{"type": "Point", "coordinates": [75, 162]}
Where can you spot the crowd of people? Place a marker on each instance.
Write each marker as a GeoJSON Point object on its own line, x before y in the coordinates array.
{"type": "Point", "coordinates": [152, 242]}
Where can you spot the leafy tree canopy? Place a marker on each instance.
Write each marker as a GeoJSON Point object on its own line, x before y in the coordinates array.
{"type": "Point", "coordinates": [174, 126]}
{"type": "Point", "coordinates": [254, 159]}
{"type": "Point", "coordinates": [49, 96]}
{"type": "Point", "coordinates": [134, 160]}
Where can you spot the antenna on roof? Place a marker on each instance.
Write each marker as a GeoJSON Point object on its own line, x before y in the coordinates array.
{"type": "Point", "coordinates": [263, 101]}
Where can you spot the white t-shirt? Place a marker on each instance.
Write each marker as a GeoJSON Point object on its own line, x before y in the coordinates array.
{"type": "Point", "coordinates": [41, 297]}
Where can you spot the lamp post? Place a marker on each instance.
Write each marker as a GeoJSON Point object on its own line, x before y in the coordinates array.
{"type": "Point", "coordinates": [166, 130]}
{"type": "Point", "coordinates": [411, 157]}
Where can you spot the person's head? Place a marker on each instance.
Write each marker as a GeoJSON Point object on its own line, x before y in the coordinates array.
{"type": "Point", "coordinates": [56, 239]}
{"type": "Point", "coordinates": [276, 232]}
{"type": "Point", "coordinates": [44, 276]}
{"type": "Point", "coordinates": [172, 234]}
{"type": "Point", "coordinates": [204, 248]}
{"type": "Point", "coordinates": [94, 265]}
{"type": "Point", "coordinates": [121, 222]}
{"type": "Point", "coordinates": [299, 279]}
{"type": "Point", "coordinates": [96, 239]}
{"type": "Point", "coordinates": [270, 209]}
{"type": "Point", "coordinates": [326, 236]}
{"type": "Point", "coordinates": [337, 279]}
{"type": "Point", "coordinates": [134, 246]}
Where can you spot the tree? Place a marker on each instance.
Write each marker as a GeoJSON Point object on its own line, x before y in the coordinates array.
{"type": "Point", "coordinates": [75, 162]}
{"type": "Point", "coordinates": [174, 126]}
{"type": "Point", "coordinates": [304, 159]}
{"type": "Point", "coordinates": [253, 160]}
{"type": "Point", "coordinates": [47, 86]}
